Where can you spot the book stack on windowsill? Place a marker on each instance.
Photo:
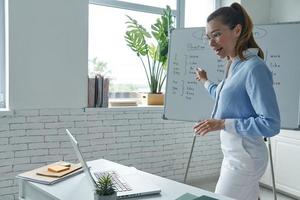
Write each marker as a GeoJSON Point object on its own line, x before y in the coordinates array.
{"type": "Point", "coordinates": [98, 89]}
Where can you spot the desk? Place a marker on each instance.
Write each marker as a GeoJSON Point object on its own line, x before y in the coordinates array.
{"type": "Point", "coordinates": [78, 187]}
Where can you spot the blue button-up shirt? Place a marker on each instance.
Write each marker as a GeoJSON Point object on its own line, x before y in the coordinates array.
{"type": "Point", "coordinates": [247, 100]}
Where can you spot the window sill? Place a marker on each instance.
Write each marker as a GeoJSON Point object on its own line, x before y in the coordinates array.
{"type": "Point", "coordinates": [138, 106]}
{"type": "Point", "coordinates": [126, 108]}
{"type": "Point", "coordinates": [126, 103]}
{"type": "Point", "coordinates": [5, 112]}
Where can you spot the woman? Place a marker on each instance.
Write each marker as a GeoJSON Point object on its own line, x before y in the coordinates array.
{"type": "Point", "coordinates": [246, 108]}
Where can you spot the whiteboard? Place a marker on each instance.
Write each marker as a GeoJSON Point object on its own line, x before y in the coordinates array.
{"type": "Point", "coordinates": [186, 98]}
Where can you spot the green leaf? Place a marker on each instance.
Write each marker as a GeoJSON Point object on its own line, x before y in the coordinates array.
{"type": "Point", "coordinates": [105, 186]}
{"type": "Point", "coordinates": [137, 38]}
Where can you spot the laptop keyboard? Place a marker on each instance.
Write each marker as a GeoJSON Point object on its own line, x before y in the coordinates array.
{"type": "Point", "coordinates": [119, 183]}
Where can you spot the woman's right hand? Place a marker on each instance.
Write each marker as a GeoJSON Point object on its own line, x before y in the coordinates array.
{"type": "Point", "coordinates": [201, 75]}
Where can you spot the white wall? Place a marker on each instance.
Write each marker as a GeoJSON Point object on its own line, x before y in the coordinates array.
{"type": "Point", "coordinates": [136, 137]}
{"type": "Point", "coordinates": [258, 10]}
{"type": "Point", "coordinates": [285, 11]}
{"type": "Point", "coordinates": [48, 53]}
{"type": "Point", "coordinates": [270, 11]}
{"type": "Point", "coordinates": [229, 2]}
{"type": "Point", "coordinates": [2, 51]}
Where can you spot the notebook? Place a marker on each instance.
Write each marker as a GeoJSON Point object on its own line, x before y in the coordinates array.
{"type": "Point", "coordinates": [43, 176]}
{"type": "Point", "coordinates": [132, 181]}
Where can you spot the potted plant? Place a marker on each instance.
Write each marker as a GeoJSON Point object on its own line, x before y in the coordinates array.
{"type": "Point", "coordinates": [105, 189]}
{"type": "Point", "coordinates": [153, 56]}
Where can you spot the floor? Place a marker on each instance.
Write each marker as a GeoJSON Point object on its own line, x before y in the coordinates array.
{"type": "Point", "coordinates": [265, 194]}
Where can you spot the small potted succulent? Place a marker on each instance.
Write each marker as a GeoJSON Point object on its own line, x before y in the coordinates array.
{"type": "Point", "coordinates": [105, 189]}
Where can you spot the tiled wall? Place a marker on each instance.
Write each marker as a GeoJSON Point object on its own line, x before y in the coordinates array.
{"type": "Point", "coordinates": [131, 136]}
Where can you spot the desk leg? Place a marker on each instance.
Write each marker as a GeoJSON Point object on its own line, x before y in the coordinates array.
{"type": "Point", "coordinates": [272, 169]}
{"type": "Point", "coordinates": [21, 189]}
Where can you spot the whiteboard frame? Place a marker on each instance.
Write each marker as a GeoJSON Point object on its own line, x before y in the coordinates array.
{"type": "Point", "coordinates": [170, 45]}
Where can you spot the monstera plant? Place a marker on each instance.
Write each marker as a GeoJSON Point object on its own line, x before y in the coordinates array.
{"type": "Point", "coordinates": [151, 47]}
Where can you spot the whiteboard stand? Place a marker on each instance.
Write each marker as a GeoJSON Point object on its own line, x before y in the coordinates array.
{"type": "Point", "coordinates": [189, 161]}
{"type": "Point", "coordinates": [272, 168]}
{"type": "Point", "coordinates": [271, 164]}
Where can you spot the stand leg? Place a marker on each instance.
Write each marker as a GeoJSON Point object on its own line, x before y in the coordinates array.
{"type": "Point", "coordinates": [272, 170]}
{"type": "Point", "coordinates": [188, 164]}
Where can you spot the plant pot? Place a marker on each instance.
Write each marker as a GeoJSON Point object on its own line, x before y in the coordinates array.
{"type": "Point", "coordinates": [109, 197]}
{"type": "Point", "coordinates": [153, 98]}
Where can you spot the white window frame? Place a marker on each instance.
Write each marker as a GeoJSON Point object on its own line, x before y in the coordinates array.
{"type": "Point", "coordinates": [5, 56]}
{"type": "Point", "coordinates": [179, 13]}
{"type": "Point", "coordinates": [133, 7]}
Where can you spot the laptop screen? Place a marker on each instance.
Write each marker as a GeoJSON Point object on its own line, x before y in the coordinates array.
{"type": "Point", "coordinates": [80, 158]}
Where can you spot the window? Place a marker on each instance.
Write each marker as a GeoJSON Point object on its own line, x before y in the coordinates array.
{"type": "Point", "coordinates": [3, 71]}
{"type": "Point", "coordinates": [107, 46]}
{"type": "Point", "coordinates": [107, 28]}
{"type": "Point", "coordinates": [161, 4]}
{"type": "Point", "coordinates": [196, 12]}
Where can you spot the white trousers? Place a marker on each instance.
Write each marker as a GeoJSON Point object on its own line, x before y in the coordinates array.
{"type": "Point", "coordinates": [245, 161]}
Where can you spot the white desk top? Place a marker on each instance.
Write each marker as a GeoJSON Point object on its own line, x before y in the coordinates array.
{"type": "Point", "coordinates": [78, 187]}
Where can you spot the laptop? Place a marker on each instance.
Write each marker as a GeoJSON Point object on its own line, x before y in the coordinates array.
{"type": "Point", "coordinates": [126, 184]}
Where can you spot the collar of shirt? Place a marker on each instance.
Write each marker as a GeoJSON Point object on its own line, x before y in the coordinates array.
{"type": "Point", "coordinates": [247, 54]}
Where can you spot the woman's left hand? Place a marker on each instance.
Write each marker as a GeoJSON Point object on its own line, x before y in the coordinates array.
{"type": "Point", "coordinates": [205, 126]}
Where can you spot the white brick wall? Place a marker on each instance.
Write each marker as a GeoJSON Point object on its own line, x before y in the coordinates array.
{"type": "Point", "coordinates": [131, 136]}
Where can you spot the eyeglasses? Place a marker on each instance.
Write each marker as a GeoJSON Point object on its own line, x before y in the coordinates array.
{"type": "Point", "coordinates": [214, 36]}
